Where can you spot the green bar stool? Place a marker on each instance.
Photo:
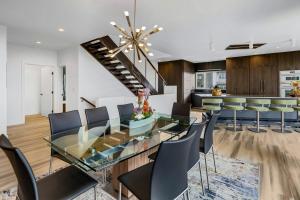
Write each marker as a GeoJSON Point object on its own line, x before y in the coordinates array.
{"type": "Point", "coordinates": [258, 105]}
{"type": "Point", "coordinates": [212, 104]}
{"type": "Point", "coordinates": [234, 104]}
{"type": "Point", "coordinates": [283, 106]}
{"type": "Point", "coordinates": [297, 108]}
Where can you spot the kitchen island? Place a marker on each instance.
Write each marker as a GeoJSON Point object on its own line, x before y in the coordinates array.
{"type": "Point", "coordinates": [247, 115]}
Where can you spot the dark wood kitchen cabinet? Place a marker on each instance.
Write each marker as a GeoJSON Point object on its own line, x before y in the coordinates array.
{"type": "Point", "coordinates": [237, 75]}
{"type": "Point", "coordinates": [264, 76]}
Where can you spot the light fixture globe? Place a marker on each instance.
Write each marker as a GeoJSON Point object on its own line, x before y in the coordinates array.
{"type": "Point", "coordinates": [136, 39]}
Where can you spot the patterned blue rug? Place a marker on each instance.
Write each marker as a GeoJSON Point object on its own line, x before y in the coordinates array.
{"type": "Point", "coordinates": [234, 180]}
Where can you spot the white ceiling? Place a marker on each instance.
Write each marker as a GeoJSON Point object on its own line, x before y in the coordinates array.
{"type": "Point", "coordinates": [189, 26]}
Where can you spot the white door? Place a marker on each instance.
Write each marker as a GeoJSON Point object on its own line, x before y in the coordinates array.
{"type": "Point", "coordinates": [46, 91]}
{"type": "Point", "coordinates": [32, 81]}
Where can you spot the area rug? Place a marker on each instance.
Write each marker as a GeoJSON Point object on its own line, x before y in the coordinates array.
{"type": "Point", "coordinates": [234, 179]}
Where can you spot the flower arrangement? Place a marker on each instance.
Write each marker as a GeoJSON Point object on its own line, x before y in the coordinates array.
{"type": "Point", "coordinates": [295, 92]}
{"type": "Point", "coordinates": [143, 110]}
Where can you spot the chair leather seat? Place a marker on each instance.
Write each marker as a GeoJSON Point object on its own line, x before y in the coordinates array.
{"type": "Point", "coordinates": [138, 181]}
{"type": "Point", "coordinates": [67, 183]}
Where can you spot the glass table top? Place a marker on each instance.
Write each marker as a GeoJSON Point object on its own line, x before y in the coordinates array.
{"type": "Point", "coordinates": [97, 146]}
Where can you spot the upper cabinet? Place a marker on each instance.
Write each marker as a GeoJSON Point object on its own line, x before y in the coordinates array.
{"type": "Point", "coordinates": [237, 76]}
{"type": "Point", "coordinates": [264, 75]}
{"type": "Point", "coordinates": [260, 73]}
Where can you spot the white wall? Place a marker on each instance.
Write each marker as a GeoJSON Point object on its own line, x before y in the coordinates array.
{"type": "Point", "coordinates": [32, 99]}
{"type": "Point", "coordinates": [161, 103]}
{"type": "Point", "coordinates": [69, 58]}
{"type": "Point", "coordinates": [3, 57]}
{"type": "Point", "coordinates": [17, 57]}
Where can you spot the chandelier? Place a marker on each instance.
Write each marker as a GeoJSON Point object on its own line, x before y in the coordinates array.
{"type": "Point", "coordinates": [136, 39]}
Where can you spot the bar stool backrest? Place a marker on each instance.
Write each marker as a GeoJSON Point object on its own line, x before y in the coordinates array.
{"type": "Point", "coordinates": [259, 101]}
{"type": "Point", "coordinates": [27, 187]}
{"type": "Point", "coordinates": [284, 102]}
{"type": "Point", "coordinates": [212, 101]}
{"type": "Point", "coordinates": [234, 100]}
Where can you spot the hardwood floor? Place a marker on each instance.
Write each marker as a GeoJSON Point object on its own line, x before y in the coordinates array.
{"type": "Point", "coordinates": [278, 154]}
{"type": "Point", "coordinates": [29, 138]}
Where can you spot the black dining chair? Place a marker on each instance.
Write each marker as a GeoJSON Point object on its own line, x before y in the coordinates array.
{"type": "Point", "coordinates": [180, 113]}
{"type": "Point", "coordinates": [67, 183]}
{"type": "Point", "coordinates": [194, 156]}
{"type": "Point", "coordinates": [98, 117]}
{"type": "Point", "coordinates": [206, 143]}
{"type": "Point", "coordinates": [166, 177]}
{"type": "Point", "coordinates": [60, 124]}
{"type": "Point", "coordinates": [181, 109]}
{"type": "Point", "coordinates": [125, 112]}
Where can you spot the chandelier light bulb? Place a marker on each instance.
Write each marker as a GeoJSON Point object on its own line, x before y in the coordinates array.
{"type": "Point", "coordinates": [130, 46]}
{"type": "Point", "coordinates": [145, 38]}
{"type": "Point", "coordinates": [150, 54]}
{"type": "Point", "coordinates": [123, 42]}
{"type": "Point", "coordinates": [143, 28]}
{"type": "Point", "coordinates": [126, 13]}
{"type": "Point", "coordinates": [141, 44]}
{"type": "Point", "coordinates": [120, 36]}
{"type": "Point", "coordinates": [137, 30]}
{"type": "Point", "coordinates": [149, 44]}
{"type": "Point", "coordinates": [113, 23]}
{"type": "Point", "coordinates": [155, 26]}
{"type": "Point", "coordinates": [110, 51]}
{"type": "Point", "coordinates": [140, 61]}
{"type": "Point", "coordinates": [126, 51]}
{"type": "Point", "coordinates": [160, 28]}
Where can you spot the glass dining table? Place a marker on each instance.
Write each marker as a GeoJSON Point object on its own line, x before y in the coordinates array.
{"type": "Point", "coordinates": [104, 144]}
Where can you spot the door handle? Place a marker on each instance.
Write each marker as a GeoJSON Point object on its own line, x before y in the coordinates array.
{"type": "Point", "coordinates": [259, 86]}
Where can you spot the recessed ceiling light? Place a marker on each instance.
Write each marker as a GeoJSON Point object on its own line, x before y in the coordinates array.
{"type": "Point", "coordinates": [38, 42]}
{"type": "Point", "coordinates": [61, 30]}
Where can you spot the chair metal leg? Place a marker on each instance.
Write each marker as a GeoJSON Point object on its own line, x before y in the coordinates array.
{"type": "Point", "coordinates": [282, 128]}
{"type": "Point", "coordinates": [212, 147]}
{"type": "Point", "coordinates": [257, 129]}
{"type": "Point", "coordinates": [50, 165]}
{"type": "Point", "coordinates": [120, 191]}
{"type": "Point", "coordinates": [206, 171]}
{"type": "Point", "coordinates": [201, 177]}
{"type": "Point", "coordinates": [95, 193]}
{"type": "Point", "coordinates": [234, 128]}
{"type": "Point", "coordinates": [188, 194]}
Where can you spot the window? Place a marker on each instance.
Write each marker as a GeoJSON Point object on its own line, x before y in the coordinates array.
{"type": "Point", "coordinates": [210, 79]}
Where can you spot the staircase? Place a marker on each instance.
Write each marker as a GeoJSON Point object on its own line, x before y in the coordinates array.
{"type": "Point", "coordinates": [121, 66]}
